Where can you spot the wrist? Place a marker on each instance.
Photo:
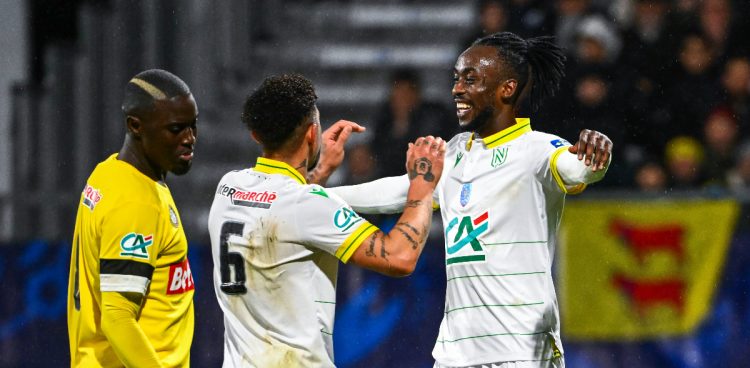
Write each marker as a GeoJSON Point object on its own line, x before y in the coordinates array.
{"type": "Point", "coordinates": [420, 190]}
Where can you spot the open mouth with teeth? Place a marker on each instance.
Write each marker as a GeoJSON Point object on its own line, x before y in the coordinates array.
{"type": "Point", "coordinates": [462, 108]}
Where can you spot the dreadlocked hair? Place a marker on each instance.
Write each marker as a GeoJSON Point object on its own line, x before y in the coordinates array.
{"type": "Point", "coordinates": [537, 60]}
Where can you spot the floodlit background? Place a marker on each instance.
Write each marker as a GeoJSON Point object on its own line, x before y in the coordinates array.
{"type": "Point", "coordinates": [652, 270]}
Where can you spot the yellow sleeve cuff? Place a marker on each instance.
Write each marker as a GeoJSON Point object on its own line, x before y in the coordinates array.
{"type": "Point", "coordinates": [553, 167]}
{"type": "Point", "coordinates": [355, 239]}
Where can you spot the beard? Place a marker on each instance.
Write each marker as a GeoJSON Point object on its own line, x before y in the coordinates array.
{"type": "Point", "coordinates": [479, 121]}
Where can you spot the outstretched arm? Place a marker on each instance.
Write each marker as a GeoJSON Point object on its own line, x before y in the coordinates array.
{"type": "Point", "coordinates": [586, 161]}
{"type": "Point", "coordinates": [332, 155]}
{"type": "Point", "coordinates": [381, 196]}
{"type": "Point", "coordinates": [396, 253]}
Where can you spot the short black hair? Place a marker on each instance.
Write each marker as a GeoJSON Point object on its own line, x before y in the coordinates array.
{"type": "Point", "coordinates": [278, 107]}
{"type": "Point", "coordinates": [151, 85]}
{"type": "Point", "coordinates": [535, 60]}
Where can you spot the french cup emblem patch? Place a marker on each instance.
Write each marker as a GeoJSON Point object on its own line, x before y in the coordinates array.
{"type": "Point", "coordinates": [465, 194]}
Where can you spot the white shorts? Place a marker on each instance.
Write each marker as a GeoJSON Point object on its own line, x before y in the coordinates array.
{"type": "Point", "coordinates": [552, 363]}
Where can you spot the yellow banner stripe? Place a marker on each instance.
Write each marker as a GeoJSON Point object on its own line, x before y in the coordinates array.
{"type": "Point", "coordinates": [355, 239]}
{"type": "Point", "coordinates": [553, 166]}
{"type": "Point", "coordinates": [149, 88]}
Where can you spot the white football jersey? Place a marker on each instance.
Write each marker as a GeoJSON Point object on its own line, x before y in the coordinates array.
{"type": "Point", "coordinates": [501, 200]}
{"type": "Point", "coordinates": [276, 243]}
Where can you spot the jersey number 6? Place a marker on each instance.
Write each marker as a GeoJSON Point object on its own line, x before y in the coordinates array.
{"type": "Point", "coordinates": [231, 261]}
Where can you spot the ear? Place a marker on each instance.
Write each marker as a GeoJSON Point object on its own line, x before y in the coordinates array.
{"type": "Point", "coordinates": [134, 126]}
{"type": "Point", "coordinates": [255, 137]}
{"type": "Point", "coordinates": [312, 132]}
{"type": "Point", "coordinates": [508, 88]}
{"type": "Point", "coordinates": [505, 92]}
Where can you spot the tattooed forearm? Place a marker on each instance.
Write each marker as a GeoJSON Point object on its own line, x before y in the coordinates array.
{"type": "Point", "coordinates": [370, 252]}
{"type": "Point", "coordinates": [423, 166]}
{"type": "Point", "coordinates": [383, 253]}
{"type": "Point", "coordinates": [414, 244]}
{"type": "Point", "coordinates": [414, 229]}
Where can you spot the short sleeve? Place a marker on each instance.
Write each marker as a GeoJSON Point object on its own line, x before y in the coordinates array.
{"type": "Point", "coordinates": [547, 149]}
{"type": "Point", "coordinates": [326, 222]}
{"type": "Point", "coordinates": [128, 249]}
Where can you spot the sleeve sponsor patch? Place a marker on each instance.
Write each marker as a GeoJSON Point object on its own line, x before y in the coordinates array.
{"type": "Point", "coordinates": [559, 143]}
{"type": "Point", "coordinates": [344, 218]}
{"type": "Point", "coordinates": [91, 196]}
{"type": "Point", "coordinates": [180, 278]}
{"type": "Point", "coordinates": [136, 245]}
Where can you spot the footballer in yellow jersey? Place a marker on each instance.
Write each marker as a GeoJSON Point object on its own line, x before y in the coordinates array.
{"type": "Point", "coordinates": [130, 292]}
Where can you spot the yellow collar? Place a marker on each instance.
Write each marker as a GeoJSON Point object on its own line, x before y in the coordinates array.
{"type": "Point", "coordinates": [522, 125]}
{"type": "Point", "coordinates": [269, 166]}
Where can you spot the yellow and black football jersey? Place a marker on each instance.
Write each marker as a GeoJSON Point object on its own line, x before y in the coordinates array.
{"type": "Point", "coordinates": [128, 238]}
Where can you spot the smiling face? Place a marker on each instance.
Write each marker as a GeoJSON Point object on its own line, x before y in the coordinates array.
{"type": "Point", "coordinates": [476, 82]}
{"type": "Point", "coordinates": [169, 134]}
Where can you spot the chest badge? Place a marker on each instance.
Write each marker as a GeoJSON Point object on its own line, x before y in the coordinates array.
{"type": "Point", "coordinates": [465, 194]}
{"type": "Point", "coordinates": [499, 155]}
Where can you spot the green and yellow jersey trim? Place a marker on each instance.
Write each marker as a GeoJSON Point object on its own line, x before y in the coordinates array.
{"type": "Point", "coordinates": [355, 239]}
{"type": "Point", "coordinates": [553, 167]}
{"type": "Point", "coordinates": [269, 166]}
{"type": "Point", "coordinates": [521, 127]}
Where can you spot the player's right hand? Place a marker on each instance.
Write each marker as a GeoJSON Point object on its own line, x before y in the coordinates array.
{"type": "Point", "coordinates": [424, 160]}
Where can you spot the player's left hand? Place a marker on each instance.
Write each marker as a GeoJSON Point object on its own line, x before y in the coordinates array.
{"type": "Point", "coordinates": [595, 147]}
{"type": "Point", "coordinates": [334, 139]}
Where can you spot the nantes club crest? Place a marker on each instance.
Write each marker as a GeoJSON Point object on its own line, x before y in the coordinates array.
{"type": "Point", "coordinates": [498, 156]}
{"type": "Point", "coordinates": [462, 238]}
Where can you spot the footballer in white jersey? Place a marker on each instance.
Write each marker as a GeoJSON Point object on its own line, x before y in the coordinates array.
{"type": "Point", "coordinates": [276, 243]}
{"type": "Point", "coordinates": [501, 200]}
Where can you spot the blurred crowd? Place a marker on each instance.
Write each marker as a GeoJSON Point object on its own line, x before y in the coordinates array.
{"type": "Point", "coordinates": [667, 80]}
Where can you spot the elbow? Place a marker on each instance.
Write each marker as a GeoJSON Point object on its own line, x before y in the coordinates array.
{"type": "Point", "coordinates": [402, 268]}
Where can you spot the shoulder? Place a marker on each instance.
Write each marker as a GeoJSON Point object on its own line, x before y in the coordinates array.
{"type": "Point", "coordinates": [546, 140]}
{"type": "Point", "coordinates": [117, 182]}
{"type": "Point", "coordinates": [316, 194]}
{"type": "Point", "coordinates": [234, 176]}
